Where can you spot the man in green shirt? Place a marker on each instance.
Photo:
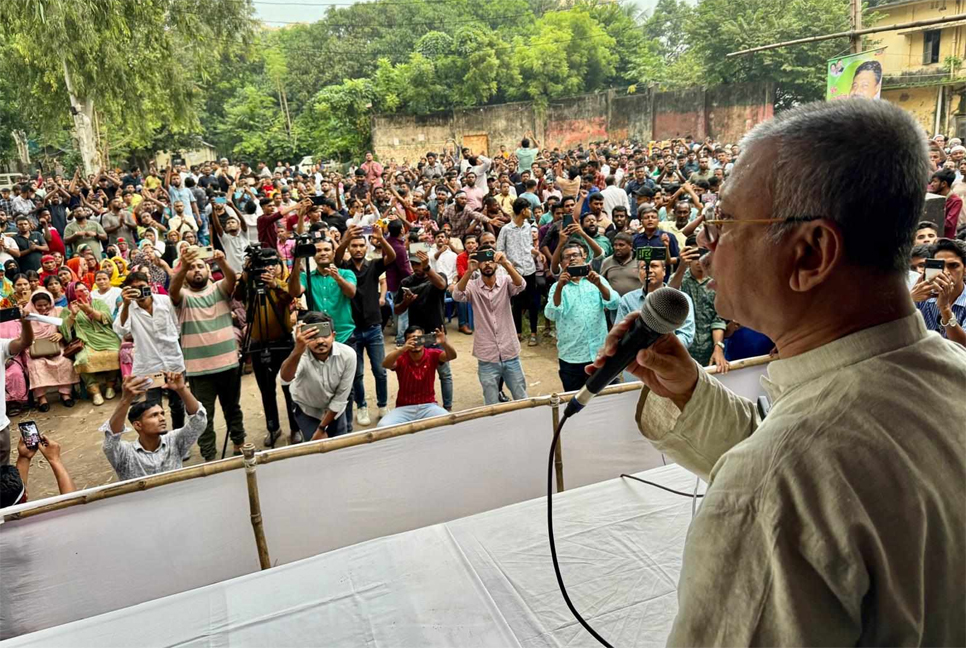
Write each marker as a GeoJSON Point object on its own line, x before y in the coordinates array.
{"type": "Point", "coordinates": [332, 289]}
{"type": "Point", "coordinates": [692, 279]}
{"type": "Point", "coordinates": [83, 231]}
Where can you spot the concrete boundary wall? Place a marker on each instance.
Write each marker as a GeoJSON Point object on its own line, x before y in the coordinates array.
{"type": "Point", "coordinates": [723, 112]}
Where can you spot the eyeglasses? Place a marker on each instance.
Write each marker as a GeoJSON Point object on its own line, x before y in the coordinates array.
{"type": "Point", "coordinates": [711, 232]}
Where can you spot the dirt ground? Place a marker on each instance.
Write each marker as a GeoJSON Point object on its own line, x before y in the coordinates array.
{"type": "Point", "coordinates": [77, 429]}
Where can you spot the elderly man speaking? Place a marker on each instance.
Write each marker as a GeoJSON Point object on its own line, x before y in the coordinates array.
{"type": "Point", "coordinates": [840, 519]}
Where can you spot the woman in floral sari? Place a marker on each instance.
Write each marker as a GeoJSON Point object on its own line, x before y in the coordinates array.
{"type": "Point", "coordinates": [90, 321]}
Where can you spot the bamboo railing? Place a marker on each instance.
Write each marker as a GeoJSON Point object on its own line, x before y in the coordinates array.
{"type": "Point", "coordinates": [251, 458]}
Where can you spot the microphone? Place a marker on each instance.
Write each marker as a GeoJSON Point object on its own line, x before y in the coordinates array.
{"type": "Point", "coordinates": [663, 311]}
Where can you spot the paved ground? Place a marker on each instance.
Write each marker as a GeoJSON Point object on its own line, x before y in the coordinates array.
{"type": "Point", "coordinates": [76, 429]}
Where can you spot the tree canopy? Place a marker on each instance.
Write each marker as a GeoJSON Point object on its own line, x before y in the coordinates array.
{"type": "Point", "coordinates": [162, 74]}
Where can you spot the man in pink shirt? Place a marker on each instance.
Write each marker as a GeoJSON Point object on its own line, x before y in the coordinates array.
{"type": "Point", "coordinates": [495, 343]}
{"type": "Point", "coordinates": [373, 171]}
{"type": "Point", "coordinates": [941, 183]}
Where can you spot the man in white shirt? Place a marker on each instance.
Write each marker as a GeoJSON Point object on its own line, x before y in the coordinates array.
{"type": "Point", "coordinates": [319, 372]}
{"type": "Point", "coordinates": [151, 322]}
{"type": "Point", "coordinates": [831, 520]}
{"type": "Point", "coordinates": [10, 349]}
{"type": "Point", "coordinates": [443, 259]}
{"type": "Point", "coordinates": [614, 196]}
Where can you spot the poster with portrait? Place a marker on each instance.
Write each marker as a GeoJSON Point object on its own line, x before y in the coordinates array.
{"type": "Point", "coordinates": [855, 75]}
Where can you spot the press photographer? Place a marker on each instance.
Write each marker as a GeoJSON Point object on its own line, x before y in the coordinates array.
{"type": "Point", "coordinates": [263, 288]}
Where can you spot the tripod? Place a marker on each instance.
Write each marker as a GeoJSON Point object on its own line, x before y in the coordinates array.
{"type": "Point", "coordinates": [257, 305]}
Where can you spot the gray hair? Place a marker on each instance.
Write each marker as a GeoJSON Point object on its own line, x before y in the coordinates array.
{"type": "Point", "coordinates": [861, 163]}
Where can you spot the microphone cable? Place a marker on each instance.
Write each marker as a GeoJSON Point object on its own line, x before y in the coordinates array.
{"type": "Point", "coordinates": [553, 546]}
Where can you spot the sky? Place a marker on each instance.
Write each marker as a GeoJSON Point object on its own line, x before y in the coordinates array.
{"type": "Point", "coordinates": [277, 12]}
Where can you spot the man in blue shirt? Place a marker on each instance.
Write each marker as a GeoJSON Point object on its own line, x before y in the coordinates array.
{"type": "Point", "coordinates": [578, 305]}
{"type": "Point", "coordinates": [177, 192]}
{"type": "Point", "coordinates": [651, 236]}
{"type": "Point", "coordinates": [945, 312]}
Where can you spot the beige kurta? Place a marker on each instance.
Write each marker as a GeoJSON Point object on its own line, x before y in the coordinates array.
{"type": "Point", "coordinates": [841, 518]}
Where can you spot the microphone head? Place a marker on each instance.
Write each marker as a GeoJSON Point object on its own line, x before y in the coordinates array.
{"type": "Point", "coordinates": [665, 310]}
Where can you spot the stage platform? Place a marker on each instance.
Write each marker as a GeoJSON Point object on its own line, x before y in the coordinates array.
{"type": "Point", "coordinates": [482, 580]}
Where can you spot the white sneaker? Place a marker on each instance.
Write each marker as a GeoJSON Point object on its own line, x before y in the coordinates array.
{"type": "Point", "coordinates": [383, 411]}
{"type": "Point", "coordinates": [362, 416]}
{"type": "Point", "coordinates": [98, 399]}
{"type": "Point", "coordinates": [109, 394]}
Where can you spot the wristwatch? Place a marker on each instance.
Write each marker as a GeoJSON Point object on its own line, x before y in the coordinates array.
{"type": "Point", "coordinates": [951, 323]}
{"type": "Point", "coordinates": [720, 344]}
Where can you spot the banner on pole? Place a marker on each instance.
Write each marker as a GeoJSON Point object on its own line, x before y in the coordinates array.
{"type": "Point", "coordinates": [855, 75]}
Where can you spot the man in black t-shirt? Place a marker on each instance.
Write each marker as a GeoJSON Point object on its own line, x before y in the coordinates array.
{"type": "Point", "coordinates": [31, 243]}
{"type": "Point", "coordinates": [423, 295]}
{"type": "Point", "coordinates": [367, 315]}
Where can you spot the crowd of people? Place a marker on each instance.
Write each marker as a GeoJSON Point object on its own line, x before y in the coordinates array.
{"type": "Point", "coordinates": [143, 285]}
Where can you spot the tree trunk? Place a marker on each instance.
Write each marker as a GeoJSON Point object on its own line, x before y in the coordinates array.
{"type": "Point", "coordinates": [23, 152]}
{"type": "Point", "coordinates": [83, 114]}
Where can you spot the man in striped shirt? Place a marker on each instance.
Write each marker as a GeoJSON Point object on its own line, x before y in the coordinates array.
{"type": "Point", "coordinates": [208, 343]}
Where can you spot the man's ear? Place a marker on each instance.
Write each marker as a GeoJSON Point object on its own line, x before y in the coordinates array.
{"type": "Point", "coordinates": [818, 249]}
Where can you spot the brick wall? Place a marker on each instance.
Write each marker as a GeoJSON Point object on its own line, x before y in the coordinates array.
{"type": "Point", "coordinates": [723, 112]}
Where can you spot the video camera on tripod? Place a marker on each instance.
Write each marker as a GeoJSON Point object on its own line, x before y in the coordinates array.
{"type": "Point", "coordinates": [257, 260]}
{"type": "Point", "coordinates": [305, 243]}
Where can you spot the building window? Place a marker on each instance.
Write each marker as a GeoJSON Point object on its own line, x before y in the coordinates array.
{"type": "Point", "coordinates": [930, 47]}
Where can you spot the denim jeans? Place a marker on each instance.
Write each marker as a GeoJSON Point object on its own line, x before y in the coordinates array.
{"type": "Point", "coordinates": [464, 314]}
{"type": "Point", "coordinates": [402, 323]}
{"type": "Point", "coordinates": [369, 341]}
{"type": "Point", "coordinates": [410, 413]}
{"type": "Point", "coordinates": [309, 424]}
{"type": "Point", "coordinates": [445, 382]}
{"type": "Point", "coordinates": [511, 371]}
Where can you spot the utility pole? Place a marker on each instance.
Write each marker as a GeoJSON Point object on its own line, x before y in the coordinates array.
{"type": "Point", "coordinates": [855, 22]}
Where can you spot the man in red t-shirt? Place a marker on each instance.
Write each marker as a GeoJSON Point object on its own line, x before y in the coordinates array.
{"type": "Point", "coordinates": [941, 183]}
{"type": "Point", "coordinates": [415, 366]}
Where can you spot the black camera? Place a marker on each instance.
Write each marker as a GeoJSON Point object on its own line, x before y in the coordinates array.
{"type": "Point", "coordinates": [305, 244]}
{"type": "Point", "coordinates": [259, 258]}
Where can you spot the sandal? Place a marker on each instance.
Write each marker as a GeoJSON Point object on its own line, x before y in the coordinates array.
{"type": "Point", "coordinates": [533, 341]}
{"type": "Point", "coordinates": [43, 407]}
{"type": "Point", "coordinates": [68, 402]}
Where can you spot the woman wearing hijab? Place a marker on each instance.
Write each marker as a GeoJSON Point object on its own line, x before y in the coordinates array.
{"type": "Point", "coordinates": [91, 322]}
{"type": "Point", "coordinates": [149, 261]}
{"type": "Point", "coordinates": [48, 266]}
{"type": "Point", "coordinates": [79, 266]}
{"type": "Point", "coordinates": [121, 266]}
{"type": "Point", "coordinates": [10, 272]}
{"type": "Point", "coordinates": [53, 371]}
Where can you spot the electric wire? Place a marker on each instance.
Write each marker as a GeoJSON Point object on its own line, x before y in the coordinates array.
{"type": "Point", "coordinates": [553, 546]}
{"type": "Point", "coordinates": [665, 488]}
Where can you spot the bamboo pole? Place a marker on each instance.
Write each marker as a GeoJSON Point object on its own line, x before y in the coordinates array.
{"type": "Point", "coordinates": [248, 453]}
{"type": "Point", "coordinates": [330, 445]}
{"type": "Point", "coordinates": [557, 451]}
{"type": "Point", "coordinates": [851, 34]}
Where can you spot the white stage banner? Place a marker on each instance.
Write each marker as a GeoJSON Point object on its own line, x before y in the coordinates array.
{"type": "Point", "coordinates": [116, 552]}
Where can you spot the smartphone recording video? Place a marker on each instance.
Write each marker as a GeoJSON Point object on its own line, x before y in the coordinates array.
{"type": "Point", "coordinates": [322, 329]}
{"type": "Point", "coordinates": [484, 255]}
{"type": "Point", "coordinates": [9, 314]}
{"type": "Point", "coordinates": [578, 270]}
{"type": "Point", "coordinates": [933, 268]}
{"type": "Point", "coordinates": [30, 434]}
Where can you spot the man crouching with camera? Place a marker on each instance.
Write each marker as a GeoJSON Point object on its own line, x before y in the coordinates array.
{"type": "Point", "coordinates": [320, 380]}
{"type": "Point", "coordinates": [269, 335]}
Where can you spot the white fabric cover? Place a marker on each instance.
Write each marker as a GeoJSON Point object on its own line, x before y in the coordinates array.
{"type": "Point", "coordinates": [485, 580]}
{"type": "Point", "coordinates": [88, 560]}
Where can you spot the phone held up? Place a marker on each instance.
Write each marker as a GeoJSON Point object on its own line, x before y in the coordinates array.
{"type": "Point", "coordinates": [578, 270]}
{"type": "Point", "coordinates": [429, 339]}
{"type": "Point", "coordinates": [9, 314]}
{"type": "Point", "coordinates": [933, 268]}
{"type": "Point", "coordinates": [30, 434]}
{"type": "Point", "coordinates": [322, 329]}
{"type": "Point", "coordinates": [484, 255]}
